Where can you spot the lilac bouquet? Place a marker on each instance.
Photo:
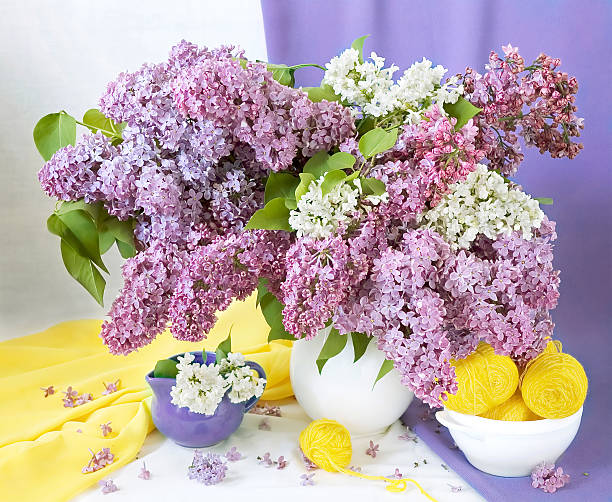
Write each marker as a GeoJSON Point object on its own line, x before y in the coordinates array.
{"type": "Point", "coordinates": [379, 206]}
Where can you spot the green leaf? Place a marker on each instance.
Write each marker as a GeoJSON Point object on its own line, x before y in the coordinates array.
{"type": "Point", "coordinates": [305, 180]}
{"type": "Point", "coordinates": [126, 250]}
{"type": "Point", "coordinates": [165, 368]}
{"type": "Point", "coordinates": [358, 45]}
{"type": "Point", "coordinates": [78, 229]}
{"type": "Point", "coordinates": [262, 290]}
{"type": "Point", "coordinates": [282, 73]}
{"type": "Point", "coordinates": [341, 160]}
{"type": "Point", "coordinates": [360, 344]}
{"type": "Point", "coordinates": [331, 180]}
{"type": "Point", "coordinates": [372, 186]}
{"type": "Point", "coordinates": [385, 367]}
{"type": "Point", "coordinates": [462, 110]}
{"type": "Point", "coordinates": [54, 131]}
{"type": "Point", "coordinates": [84, 271]}
{"type": "Point", "coordinates": [122, 230]}
{"type": "Point", "coordinates": [325, 92]}
{"type": "Point", "coordinates": [545, 201]}
{"type": "Point", "coordinates": [272, 311]}
{"type": "Point", "coordinates": [95, 120]}
{"type": "Point", "coordinates": [282, 185]}
{"type": "Point", "coordinates": [224, 348]}
{"type": "Point", "coordinates": [332, 347]}
{"type": "Point", "coordinates": [366, 124]}
{"type": "Point", "coordinates": [317, 164]}
{"type": "Point", "coordinates": [274, 216]}
{"type": "Point", "coordinates": [377, 141]}
{"type": "Point", "coordinates": [106, 239]}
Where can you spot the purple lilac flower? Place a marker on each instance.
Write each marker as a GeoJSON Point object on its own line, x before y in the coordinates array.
{"type": "Point", "coordinates": [455, 488]}
{"type": "Point", "coordinates": [548, 479]}
{"type": "Point", "coordinates": [144, 472]}
{"type": "Point", "coordinates": [82, 399]}
{"type": "Point", "coordinates": [373, 449]}
{"type": "Point", "coordinates": [208, 469]}
{"type": "Point", "coordinates": [108, 486]}
{"type": "Point", "coordinates": [306, 479]}
{"type": "Point", "coordinates": [309, 464]}
{"type": "Point", "coordinates": [99, 460]}
{"type": "Point", "coordinates": [266, 460]}
{"type": "Point", "coordinates": [266, 409]}
{"type": "Point", "coordinates": [106, 429]}
{"type": "Point", "coordinates": [408, 435]}
{"type": "Point", "coordinates": [233, 455]}
{"type": "Point", "coordinates": [70, 396]}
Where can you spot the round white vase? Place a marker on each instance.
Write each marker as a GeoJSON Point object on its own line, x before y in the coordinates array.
{"type": "Point", "coordinates": [345, 390]}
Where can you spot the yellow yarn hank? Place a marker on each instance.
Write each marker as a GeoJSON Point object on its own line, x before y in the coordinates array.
{"type": "Point", "coordinates": [327, 443]}
{"type": "Point", "coordinates": [554, 384]}
{"type": "Point", "coordinates": [484, 380]}
{"type": "Point", "coordinates": [513, 409]}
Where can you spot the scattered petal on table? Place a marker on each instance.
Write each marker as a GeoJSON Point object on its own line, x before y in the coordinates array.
{"type": "Point", "coordinates": [208, 469]}
{"type": "Point", "coordinates": [99, 460]}
{"type": "Point", "coordinates": [396, 475]}
{"type": "Point", "coordinates": [281, 463]}
{"type": "Point", "coordinates": [108, 486]}
{"type": "Point", "coordinates": [106, 429]}
{"type": "Point", "coordinates": [111, 387]}
{"type": "Point", "coordinates": [373, 449]}
{"type": "Point", "coordinates": [48, 390]}
{"type": "Point", "coordinates": [264, 425]}
{"type": "Point", "coordinates": [307, 479]}
{"type": "Point", "coordinates": [233, 455]}
{"type": "Point", "coordinates": [455, 489]}
{"type": "Point", "coordinates": [144, 472]}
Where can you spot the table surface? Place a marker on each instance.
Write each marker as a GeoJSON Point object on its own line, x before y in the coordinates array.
{"type": "Point", "coordinates": [168, 464]}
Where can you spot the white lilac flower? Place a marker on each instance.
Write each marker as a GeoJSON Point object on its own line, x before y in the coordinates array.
{"type": "Point", "coordinates": [484, 203]}
{"type": "Point", "coordinates": [244, 384]}
{"type": "Point", "coordinates": [198, 387]}
{"type": "Point", "coordinates": [318, 215]}
{"type": "Point", "coordinates": [371, 87]}
{"type": "Point", "coordinates": [201, 387]}
{"type": "Point", "coordinates": [367, 85]}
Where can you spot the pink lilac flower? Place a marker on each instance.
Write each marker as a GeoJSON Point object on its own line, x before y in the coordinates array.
{"type": "Point", "coordinates": [396, 475]}
{"type": "Point", "coordinates": [306, 479]}
{"type": "Point", "coordinates": [548, 479]}
{"type": "Point", "coordinates": [233, 455]}
{"type": "Point", "coordinates": [111, 387]}
{"type": "Point", "coordinates": [373, 449]}
{"type": "Point", "coordinates": [442, 155]}
{"type": "Point", "coordinates": [144, 472]}
{"type": "Point", "coordinates": [281, 463]}
{"type": "Point", "coordinates": [108, 486]}
{"type": "Point", "coordinates": [106, 429]}
{"type": "Point", "coordinates": [48, 390]}
{"type": "Point", "coordinates": [309, 464]}
{"type": "Point", "coordinates": [208, 469]}
{"type": "Point", "coordinates": [355, 468]}
{"type": "Point", "coordinates": [99, 460]}
{"type": "Point", "coordinates": [535, 102]}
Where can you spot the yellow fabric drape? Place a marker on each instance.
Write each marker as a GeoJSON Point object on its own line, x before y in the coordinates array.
{"type": "Point", "coordinates": [41, 452]}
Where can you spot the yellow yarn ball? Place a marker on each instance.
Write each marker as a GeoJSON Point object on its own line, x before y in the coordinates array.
{"type": "Point", "coordinates": [484, 381]}
{"type": "Point", "coordinates": [514, 409]}
{"type": "Point", "coordinates": [327, 443]}
{"type": "Point", "coordinates": [554, 385]}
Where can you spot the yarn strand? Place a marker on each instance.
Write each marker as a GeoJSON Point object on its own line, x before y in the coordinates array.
{"type": "Point", "coordinates": [327, 443]}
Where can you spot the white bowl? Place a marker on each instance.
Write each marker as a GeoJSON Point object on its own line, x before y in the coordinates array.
{"type": "Point", "coordinates": [506, 448]}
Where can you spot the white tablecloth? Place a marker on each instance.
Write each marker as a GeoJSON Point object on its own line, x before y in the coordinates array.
{"type": "Point", "coordinates": [246, 478]}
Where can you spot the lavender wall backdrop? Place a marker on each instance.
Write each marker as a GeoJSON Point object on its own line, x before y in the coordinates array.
{"type": "Point", "coordinates": [459, 33]}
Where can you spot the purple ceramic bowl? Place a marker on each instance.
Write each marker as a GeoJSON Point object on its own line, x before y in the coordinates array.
{"type": "Point", "coordinates": [196, 430]}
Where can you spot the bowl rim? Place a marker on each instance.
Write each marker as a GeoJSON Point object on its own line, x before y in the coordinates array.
{"type": "Point", "coordinates": [456, 420]}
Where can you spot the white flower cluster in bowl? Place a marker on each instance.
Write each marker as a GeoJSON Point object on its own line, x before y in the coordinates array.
{"type": "Point", "coordinates": [201, 387]}
{"type": "Point", "coordinates": [370, 86]}
{"type": "Point", "coordinates": [319, 214]}
{"type": "Point", "coordinates": [484, 203]}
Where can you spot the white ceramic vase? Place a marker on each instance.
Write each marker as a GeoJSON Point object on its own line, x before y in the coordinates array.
{"type": "Point", "coordinates": [345, 391]}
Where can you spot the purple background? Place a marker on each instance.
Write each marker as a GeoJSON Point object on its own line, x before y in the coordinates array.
{"type": "Point", "coordinates": [460, 33]}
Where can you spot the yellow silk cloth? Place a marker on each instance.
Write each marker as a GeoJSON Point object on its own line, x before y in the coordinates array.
{"type": "Point", "coordinates": [41, 451]}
